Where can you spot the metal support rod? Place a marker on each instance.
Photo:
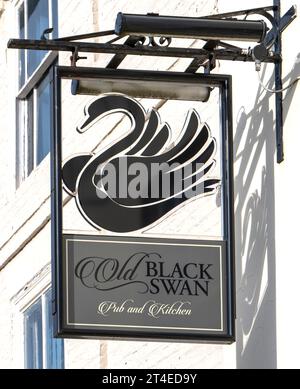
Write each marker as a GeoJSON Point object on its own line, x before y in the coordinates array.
{"type": "Point", "coordinates": [284, 22]}
{"type": "Point", "coordinates": [240, 13]}
{"type": "Point", "coordinates": [117, 59]}
{"type": "Point", "coordinates": [86, 36]}
{"type": "Point", "coordinates": [56, 200]}
{"type": "Point", "coordinates": [278, 86]}
{"type": "Point", "coordinates": [52, 45]}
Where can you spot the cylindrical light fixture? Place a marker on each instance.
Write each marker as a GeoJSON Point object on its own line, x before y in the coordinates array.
{"type": "Point", "coordinates": [186, 27]}
{"type": "Point", "coordinates": [141, 84]}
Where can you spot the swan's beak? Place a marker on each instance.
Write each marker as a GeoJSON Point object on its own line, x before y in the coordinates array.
{"type": "Point", "coordinates": [82, 127]}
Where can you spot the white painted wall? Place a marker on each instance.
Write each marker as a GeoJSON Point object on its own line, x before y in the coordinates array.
{"type": "Point", "coordinates": [266, 207]}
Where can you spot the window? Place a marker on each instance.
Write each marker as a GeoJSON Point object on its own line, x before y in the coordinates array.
{"type": "Point", "coordinates": [35, 16]}
{"type": "Point", "coordinates": [42, 351]}
{"type": "Point", "coordinates": [34, 100]}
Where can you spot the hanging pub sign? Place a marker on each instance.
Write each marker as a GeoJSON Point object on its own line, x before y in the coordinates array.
{"type": "Point", "coordinates": [142, 205]}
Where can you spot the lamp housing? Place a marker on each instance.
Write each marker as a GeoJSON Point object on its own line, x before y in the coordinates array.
{"type": "Point", "coordinates": [189, 27]}
{"type": "Point", "coordinates": [140, 84]}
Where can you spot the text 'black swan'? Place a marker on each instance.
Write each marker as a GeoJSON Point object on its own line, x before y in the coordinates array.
{"type": "Point", "coordinates": [146, 143]}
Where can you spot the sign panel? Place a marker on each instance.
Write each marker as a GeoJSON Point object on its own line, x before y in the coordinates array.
{"type": "Point", "coordinates": [129, 284]}
{"type": "Point", "coordinates": [142, 208]}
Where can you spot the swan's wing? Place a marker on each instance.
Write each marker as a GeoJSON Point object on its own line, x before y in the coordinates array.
{"type": "Point", "coordinates": [158, 143]}
{"type": "Point", "coordinates": [148, 134]}
{"type": "Point", "coordinates": [178, 181]}
{"type": "Point", "coordinates": [153, 142]}
{"type": "Point", "coordinates": [191, 152]}
{"type": "Point", "coordinates": [193, 166]}
{"type": "Point", "coordinates": [188, 133]}
{"type": "Point", "coordinates": [211, 185]}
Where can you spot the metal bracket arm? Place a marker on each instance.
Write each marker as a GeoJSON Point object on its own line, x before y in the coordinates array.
{"type": "Point", "coordinates": [212, 51]}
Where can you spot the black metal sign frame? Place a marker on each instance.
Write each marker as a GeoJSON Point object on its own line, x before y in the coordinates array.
{"type": "Point", "coordinates": [223, 83]}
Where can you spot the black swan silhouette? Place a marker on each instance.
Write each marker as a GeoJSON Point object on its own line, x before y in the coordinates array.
{"type": "Point", "coordinates": [145, 143]}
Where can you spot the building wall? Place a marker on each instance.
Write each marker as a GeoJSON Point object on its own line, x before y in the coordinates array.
{"type": "Point", "coordinates": [266, 206]}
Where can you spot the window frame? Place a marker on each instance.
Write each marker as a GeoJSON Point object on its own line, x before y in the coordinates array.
{"type": "Point", "coordinates": [24, 156]}
{"type": "Point", "coordinates": [42, 295]}
{"type": "Point", "coordinates": [40, 298]}
{"type": "Point", "coordinates": [38, 284]}
{"type": "Point", "coordinates": [45, 60]}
